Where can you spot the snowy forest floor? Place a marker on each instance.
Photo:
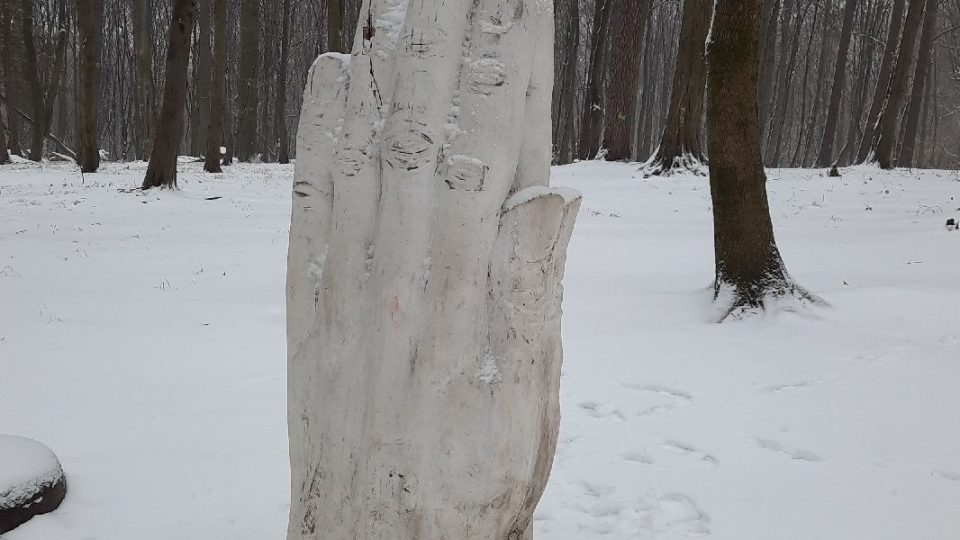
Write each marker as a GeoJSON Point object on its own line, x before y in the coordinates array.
{"type": "Point", "coordinates": [142, 339]}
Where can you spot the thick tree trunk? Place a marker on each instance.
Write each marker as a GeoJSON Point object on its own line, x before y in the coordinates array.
{"type": "Point", "coordinates": [629, 33]}
{"type": "Point", "coordinates": [883, 80]}
{"type": "Point", "coordinates": [425, 262]}
{"type": "Point", "coordinates": [32, 76]}
{"type": "Point", "coordinates": [249, 57]}
{"type": "Point", "coordinates": [90, 23]}
{"type": "Point", "coordinates": [680, 144]}
{"type": "Point", "coordinates": [218, 96]}
{"type": "Point", "coordinates": [748, 264]}
{"type": "Point", "coordinates": [591, 128]}
{"type": "Point", "coordinates": [162, 170]}
{"type": "Point", "coordinates": [920, 80]}
{"type": "Point", "coordinates": [280, 115]}
{"type": "Point", "coordinates": [888, 126]}
{"type": "Point", "coordinates": [143, 79]}
{"type": "Point", "coordinates": [567, 27]}
{"type": "Point", "coordinates": [825, 155]}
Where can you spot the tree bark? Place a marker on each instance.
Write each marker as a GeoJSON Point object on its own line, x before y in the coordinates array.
{"type": "Point", "coordinates": [30, 68]}
{"type": "Point", "coordinates": [162, 170]}
{"type": "Point", "coordinates": [889, 122]}
{"type": "Point", "coordinates": [200, 119]}
{"type": "Point", "coordinates": [748, 264]}
{"type": "Point", "coordinates": [144, 93]}
{"type": "Point", "coordinates": [425, 262]}
{"type": "Point", "coordinates": [591, 128]}
{"type": "Point", "coordinates": [883, 80]}
{"type": "Point", "coordinates": [567, 31]}
{"type": "Point", "coordinates": [680, 144]}
{"type": "Point", "coordinates": [920, 80]}
{"type": "Point", "coordinates": [825, 155]}
{"type": "Point", "coordinates": [335, 41]}
{"type": "Point", "coordinates": [280, 115]}
{"type": "Point", "coordinates": [218, 96]}
{"type": "Point", "coordinates": [249, 57]}
{"type": "Point", "coordinates": [90, 24]}
{"type": "Point", "coordinates": [11, 77]}
{"type": "Point", "coordinates": [629, 33]}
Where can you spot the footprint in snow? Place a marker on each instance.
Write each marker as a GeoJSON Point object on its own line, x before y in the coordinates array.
{"type": "Point", "coordinates": [602, 410]}
{"type": "Point", "coordinates": [776, 389]}
{"type": "Point", "coordinates": [690, 451]}
{"type": "Point", "coordinates": [790, 452]}
{"type": "Point", "coordinates": [948, 475]}
{"type": "Point", "coordinates": [673, 513]}
{"type": "Point", "coordinates": [661, 398]}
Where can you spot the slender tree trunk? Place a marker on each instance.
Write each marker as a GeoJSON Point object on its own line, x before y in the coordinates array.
{"type": "Point", "coordinates": [249, 57]}
{"type": "Point", "coordinates": [200, 120]}
{"type": "Point", "coordinates": [680, 144]}
{"type": "Point", "coordinates": [218, 96]}
{"type": "Point", "coordinates": [283, 147]}
{"type": "Point", "coordinates": [920, 80]}
{"type": "Point", "coordinates": [335, 41]}
{"type": "Point", "coordinates": [883, 79]}
{"type": "Point", "coordinates": [629, 34]}
{"type": "Point", "coordinates": [143, 78]}
{"type": "Point", "coordinates": [9, 53]}
{"type": "Point", "coordinates": [162, 170]}
{"type": "Point", "coordinates": [30, 68]}
{"type": "Point", "coordinates": [748, 263]}
{"type": "Point", "coordinates": [768, 67]}
{"type": "Point", "coordinates": [825, 155]}
{"type": "Point", "coordinates": [90, 23]}
{"type": "Point", "coordinates": [591, 128]}
{"type": "Point", "coordinates": [567, 20]}
{"type": "Point", "coordinates": [889, 123]}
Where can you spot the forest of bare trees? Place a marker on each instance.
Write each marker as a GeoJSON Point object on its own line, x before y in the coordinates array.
{"type": "Point", "coordinates": [841, 81]}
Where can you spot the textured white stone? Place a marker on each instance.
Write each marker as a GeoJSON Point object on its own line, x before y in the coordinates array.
{"type": "Point", "coordinates": [424, 278]}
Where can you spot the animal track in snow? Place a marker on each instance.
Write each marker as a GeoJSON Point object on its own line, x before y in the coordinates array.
{"type": "Point", "coordinates": [667, 399]}
{"type": "Point", "coordinates": [776, 389]}
{"type": "Point", "coordinates": [602, 410]}
{"type": "Point", "coordinates": [792, 453]}
{"type": "Point", "coordinates": [689, 450]}
{"type": "Point", "coordinates": [948, 475]}
{"type": "Point", "coordinates": [673, 513]}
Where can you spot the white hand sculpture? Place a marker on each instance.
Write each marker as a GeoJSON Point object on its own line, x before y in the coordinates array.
{"type": "Point", "coordinates": [424, 277]}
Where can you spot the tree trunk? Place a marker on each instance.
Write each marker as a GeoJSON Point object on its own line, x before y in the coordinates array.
{"type": "Point", "coordinates": [90, 24]}
{"type": "Point", "coordinates": [768, 67]}
{"type": "Point", "coordinates": [335, 41]}
{"type": "Point", "coordinates": [249, 57]}
{"type": "Point", "coordinates": [11, 77]}
{"type": "Point", "coordinates": [162, 170]}
{"type": "Point", "coordinates": [920, 79]}
{"type": "Point", "coordinates": [283, 151]}
{"type": "Point", "coordinates": [218, 96]}
{"type": "Point", "coordinates": [143, 79]}
{"type": "Point", "coordinates": [30, 68]}
{"type": "Point", "coordinates": [889, 122]}
{"type": "Point", "coordinates": [748, 264]}
{"type": "Point", "coordinates": [680, 142]}
{"type": "Point", "coordinates": [567, 29]}
{"type": "Point", "coordinates": [591, 128]}
{"type": "Point", "coordinates": [825, 155]}
{"type": "Point", "coordinates": [883, 80]}
{"type": "Point", "coordinates": [202, 95]}
{"type": "Point", "coordinates": [423, 294]}
{"type": "Point", "coordinates": [629, 33]}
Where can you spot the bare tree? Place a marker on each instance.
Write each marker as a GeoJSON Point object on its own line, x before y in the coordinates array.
{"type": "Point", "coordinates": [749, 268]}
{"type": "Point", "coordinates": [566, 45]}
{"type": "Point", "coordinates": [248, 79]}
{"type": "Point", "coordinates": [889, 123]}
{"type": "Point", "coordinates": [143, 79]}
{"type": "Point", "coordinates": [920, 81]}
{"type": "Point", "coordinates": [883, 80]}
{"type": "Point", "coordinates": [280, 115]}
{"type": "Point", "coordinates": [680, 144]}
{"type": "Point", "coordinates": [43, 99]}
{"type": "Point", "coordinates": [591, 127]}
{"type": "Point", "coordinates": [11, 76]}
{"type": "Point", "coordinates": [629, 35]}
{"type": "Point", "coordinates": [825, 155]}
{"type": "Point", "coordinates": [162, 170]}
{"type": "Point", "coordinates": [90, 25]}
{"type": "Point", "coordinates": [218, 95]}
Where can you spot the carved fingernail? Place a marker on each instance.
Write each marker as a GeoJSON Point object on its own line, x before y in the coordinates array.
{"type": "Point", "coordinates": [465, 173]}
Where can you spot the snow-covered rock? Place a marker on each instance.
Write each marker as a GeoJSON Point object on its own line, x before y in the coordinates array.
{"type": "Point", "coordinates": [31, 481]}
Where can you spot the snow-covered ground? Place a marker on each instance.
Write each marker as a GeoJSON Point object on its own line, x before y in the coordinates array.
{"type": "Point", "coordinates": [142, 339]}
